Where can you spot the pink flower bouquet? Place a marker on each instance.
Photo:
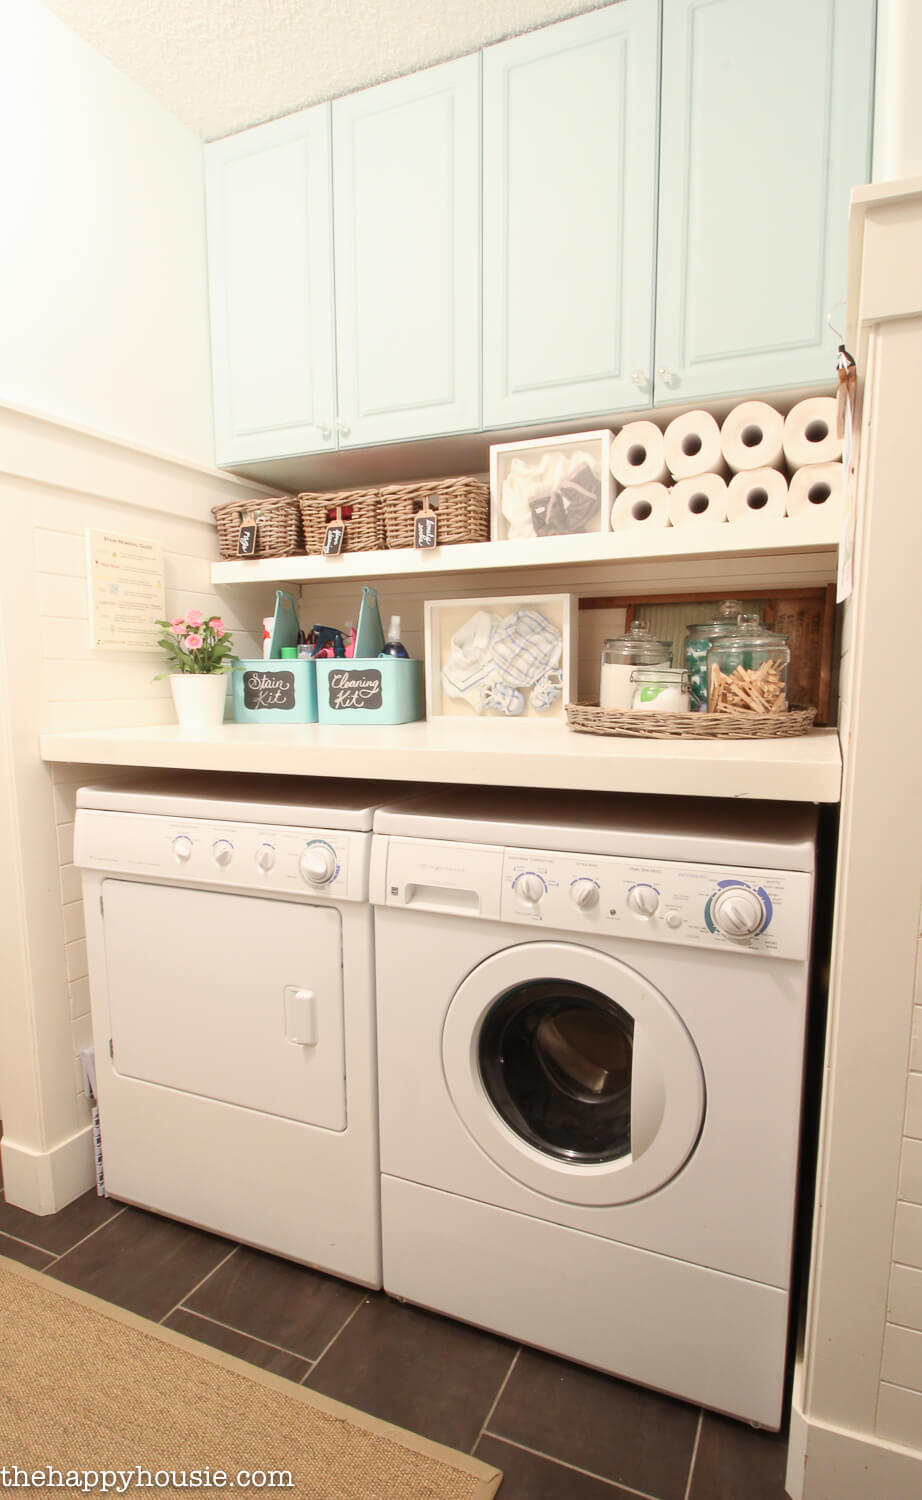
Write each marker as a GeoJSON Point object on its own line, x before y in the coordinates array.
{"type": "Point", "coordinates": [194, 644]}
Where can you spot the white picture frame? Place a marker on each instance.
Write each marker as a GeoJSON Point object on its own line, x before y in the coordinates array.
{"type": "Point", "coordinates": [527, 501]}
{"type": "Point", "coordinates": [444, 618]}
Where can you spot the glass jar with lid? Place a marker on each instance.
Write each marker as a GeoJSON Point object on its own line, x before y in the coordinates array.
{"type": "Point", "coordinates": [748, 670]}
{"type": "Point", "coordinates": [638, 647]}
{"type": "Point", "coordinates": [698, 638]}
{"type": "Point", "coordinates": [662, 690]}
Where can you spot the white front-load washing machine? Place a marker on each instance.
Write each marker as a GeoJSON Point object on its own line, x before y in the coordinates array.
{"type": "Point", "coordinates": [230, 954]}
{"type": "Point", "coordinates": [591, 1033]}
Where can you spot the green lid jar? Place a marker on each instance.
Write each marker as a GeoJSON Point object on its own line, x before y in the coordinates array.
{"type": "Point", "coordinates": [698, 638]}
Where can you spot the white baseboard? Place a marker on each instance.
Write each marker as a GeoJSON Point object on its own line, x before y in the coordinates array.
{"type": "Point", "coordinates": [44, 1181]}
{"type": "Point", "coordinates": [830, 1463]}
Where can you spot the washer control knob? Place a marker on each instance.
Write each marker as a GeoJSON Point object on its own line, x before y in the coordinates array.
{"type": "Point", "coordinates": [672, 919]}
{"type": "Point", "coordinates": [585, 893]}
{"type": "Point", "coordinates": [530, 887]}
{"type": "Point", "coordinates": [182, 847]}
{"type": "Point", "coordinates": [318, 864]}
{"type": "Point", "coordinates": [223, 851]}
{"type": "Point", "coordinates": [265, 856]}
{"type": "Point", "coordinates": [737, 912]}
{"type": "Point", "coordinates": [643, 900]}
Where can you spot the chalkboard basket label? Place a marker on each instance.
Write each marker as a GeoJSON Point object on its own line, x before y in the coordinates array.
{"type": "Point", "coordinates": [355, 687]}
{"type": "Point", "coordinates": [247, 539]}
{"type": "Point", "coordinates": [426, 528]}
{"type": "Point", "coordinates": [269, 689]}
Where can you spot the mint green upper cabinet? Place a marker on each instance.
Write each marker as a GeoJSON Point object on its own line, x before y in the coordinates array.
{"type": "Point", "coordinates": [406, 189]}
{"type": "Point", "coordinates": [569, 161]}
{"type": "Point", "coordinates": [766, 111]}
{"type": "Point", "coordinates": [271, 274]}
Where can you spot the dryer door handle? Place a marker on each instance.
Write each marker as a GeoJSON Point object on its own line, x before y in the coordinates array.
{"type": "Point", "coordinates": [300, 1016]}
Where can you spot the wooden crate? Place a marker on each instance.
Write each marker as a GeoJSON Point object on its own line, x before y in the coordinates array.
{"type": "Point", "coordinates": [807, 616]}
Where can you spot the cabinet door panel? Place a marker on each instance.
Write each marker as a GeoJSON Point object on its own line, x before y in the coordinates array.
{"type": "Point", "coordinates": [406, 175]}
{"type": "Point", "coordinates": [765, 129]}
{"type": "Point", "coordinates": [270, 256]}
{"type": "Point", "coordinates": [570, 116]}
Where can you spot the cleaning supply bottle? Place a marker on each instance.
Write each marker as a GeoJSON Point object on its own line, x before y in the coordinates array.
{"type": "Point", "coordinates": [393, 645]}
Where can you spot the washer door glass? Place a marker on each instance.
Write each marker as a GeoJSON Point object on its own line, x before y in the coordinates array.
{"type": "Point", "coordinates": [556, 1062]}
{"type": "Point", "coordinates": [573, 1073]}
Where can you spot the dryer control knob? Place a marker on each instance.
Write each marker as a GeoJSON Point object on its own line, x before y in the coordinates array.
{"type": "Point", "coordinates": [182, 847]}
{"type": "Point", "coordinates": [265, 856]}
{"type": "Point", "coordinates": [643, 900]}
{"type": "Point", "coordinates": [223, 852]}
{"type": "Point", "coordinates": [737, 912]}
{"type": "Point", "coordinates": [530, 887]}
{"type": "Point", "coordinates": [318, 864]}
{"type": "Point", "coordinates": [585, 893]}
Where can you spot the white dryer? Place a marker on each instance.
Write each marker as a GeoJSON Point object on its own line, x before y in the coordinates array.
{"type": "Point", "coordinates": [591, 1027]}
{"type": "Point", "coordinates": [230, 953]}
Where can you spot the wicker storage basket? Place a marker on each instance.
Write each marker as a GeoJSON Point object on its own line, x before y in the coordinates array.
{"type": "Point", "coordinates": [648, 725]}
{"type": "Point", "coordinates": [463, 507]}
{"type": "Point", "coordinates": [359, 511]}
{"type": "Point", "coordinates": [278, 524]}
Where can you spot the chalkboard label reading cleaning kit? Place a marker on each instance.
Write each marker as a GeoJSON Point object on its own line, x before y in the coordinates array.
{"type": "Point", "coordinates": [355, 689]}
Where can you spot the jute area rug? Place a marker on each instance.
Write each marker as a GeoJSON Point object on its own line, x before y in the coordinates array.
{"type": "Point", "coordinates": [89, 1390]}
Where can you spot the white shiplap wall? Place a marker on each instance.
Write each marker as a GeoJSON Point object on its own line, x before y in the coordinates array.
{"type": "Point", "coordinates": [55, 482]}
{"type": "Point", "coordinates": [899, 1410]}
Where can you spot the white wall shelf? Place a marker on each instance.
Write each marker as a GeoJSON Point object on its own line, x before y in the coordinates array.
{"type": "Point", "coordinates": [746, 539]}
{"type": "Point", "coordinates": [806, 768]}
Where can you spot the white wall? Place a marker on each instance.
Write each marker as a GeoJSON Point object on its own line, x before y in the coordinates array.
{"type": "Point", "coordinates": [55, 482]}
{"type": "Point", "coordinates": [898, 98]}
{"type": "Point", "coordinates": [102, 252]}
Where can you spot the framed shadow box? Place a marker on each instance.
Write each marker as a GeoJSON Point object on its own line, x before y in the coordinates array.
{"type": "Point", "coordinates": [500, 658]}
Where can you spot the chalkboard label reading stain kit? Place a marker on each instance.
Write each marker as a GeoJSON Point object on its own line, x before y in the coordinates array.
{"type": "Point", "coordinates": [268, 689]}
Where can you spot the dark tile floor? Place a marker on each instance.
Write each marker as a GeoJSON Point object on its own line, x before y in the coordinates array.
{"type": "Point", "coordinates": [557, 1431]}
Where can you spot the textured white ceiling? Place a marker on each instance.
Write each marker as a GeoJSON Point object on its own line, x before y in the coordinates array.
{"type": "Point", "coordinates": [221, 65]}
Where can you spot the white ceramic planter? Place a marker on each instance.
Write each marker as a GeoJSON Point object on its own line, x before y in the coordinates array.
{"type": "Point", "coordinates": [199, 698]}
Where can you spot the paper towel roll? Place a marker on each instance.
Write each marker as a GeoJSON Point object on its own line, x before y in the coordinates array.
{"type": "Point", "coordinates": [691, 444]}
{"type": "Point", "coordinates": [810, 433]}
{"type": "Point", "coordinates": [637, 454]}
{"type": "Point", "coordinates": [752, 436]}
{"type": "Point", "coordinates": [700, 499]}
{"type": "Point", "coordinates": [814, 488]}
{"type": "Point", "coordinates": [641, 505]}
{"type": "Point", "coordinates": [755, 495]}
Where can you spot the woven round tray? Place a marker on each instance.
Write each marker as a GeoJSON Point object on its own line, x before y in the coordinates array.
{"type": "Point", "coordinates": [643, 724]}
{"type": "Point", "coordinates": [463, 507]}
{"type": "Point", "coordinates": [359, 511]}
{"type": "Point", "coordinates": [278, 526]}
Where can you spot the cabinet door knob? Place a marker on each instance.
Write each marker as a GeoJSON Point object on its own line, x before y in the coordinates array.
{"type": "Point", "coordinates": [667, 376]}
{"type": "Point", "coordinates": [324, 429]}
{"type": "Point", "coordinates": [343, 427]}
{"type": "Point", "coordinates": [640, 378]}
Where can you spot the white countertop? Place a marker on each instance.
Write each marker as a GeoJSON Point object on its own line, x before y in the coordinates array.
{"type": "Point", "coordinates": [805, 768]}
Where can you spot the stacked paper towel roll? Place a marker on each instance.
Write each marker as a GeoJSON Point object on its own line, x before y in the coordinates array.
{"type": "Point", "coordinates": [757, 466]}
{"type": "Point", "coordinates": [699, 500]}
{"type": "Point", "coordinates": [691, 446]}
{"type": "Point", "coordinates": [813, 488]}
{"type": "Point", "coordinates": [752, 437]}
{"type": "Point", "coordinates": [641, 505]}
{"type": "Point", "coordinates": [637, 454]}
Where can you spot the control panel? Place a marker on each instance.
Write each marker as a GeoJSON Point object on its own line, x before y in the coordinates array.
{"type": "Point", "coordinates": [765, 912]}
{"type": "Point", "coordinates": [240, 856]}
